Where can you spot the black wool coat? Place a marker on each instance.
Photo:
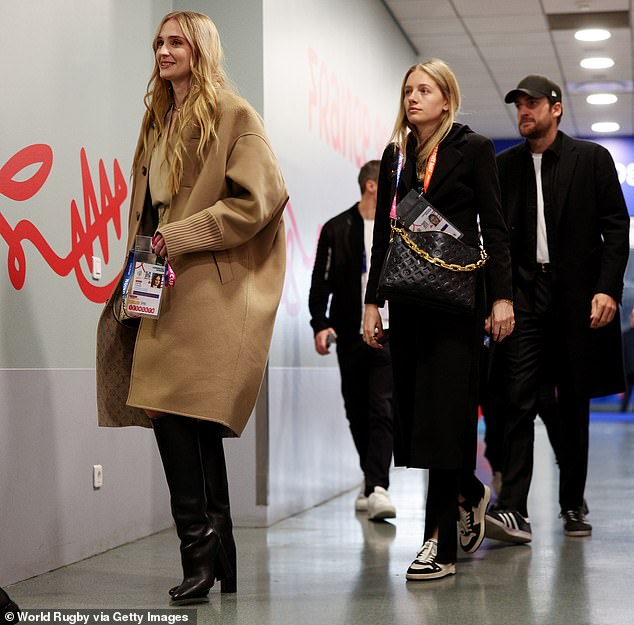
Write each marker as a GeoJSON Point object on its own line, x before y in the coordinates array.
{"type": "Point", "coordinates": [435, 356]}
{"type": "Point", "coordinates": [588, 240]}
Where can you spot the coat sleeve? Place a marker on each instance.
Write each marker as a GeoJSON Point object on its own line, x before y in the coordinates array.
{"type": "Point", "coordinates": [493, 227]}
{"type": "Point", "coordinates": [381, 235]}
{"type": "Point", "coordinates": [321, 285]}
{"type": "Point", "coordinates": [257, 194]}
{"type": "Point", "coordinates": [614, 222]}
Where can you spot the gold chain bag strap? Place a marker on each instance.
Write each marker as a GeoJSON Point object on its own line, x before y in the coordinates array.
{"type": "Point", "coordinates": [435, 259]}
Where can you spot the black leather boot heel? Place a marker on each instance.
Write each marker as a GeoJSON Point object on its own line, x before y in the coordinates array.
{"type": "Point", "coordinates": [198, 568]}
{"type": "Point", "coordinates": [222, 571]}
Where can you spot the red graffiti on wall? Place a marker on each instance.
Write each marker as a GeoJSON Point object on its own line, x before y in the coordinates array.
{"type": "Point", "coordinates": [84, 232]}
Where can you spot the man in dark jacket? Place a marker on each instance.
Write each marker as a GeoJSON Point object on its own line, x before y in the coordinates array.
{"type": "Point", "coordinates": [336, 305]}
{"type": "Point", "coordinates": [569, 230]}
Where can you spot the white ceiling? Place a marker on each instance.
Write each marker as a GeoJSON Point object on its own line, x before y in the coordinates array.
{"type": "Point", "coordinates": [492, 44]}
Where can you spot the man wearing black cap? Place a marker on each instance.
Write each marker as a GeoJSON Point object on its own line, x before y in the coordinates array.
{"type": "Point", "coordinates": [569, 230]}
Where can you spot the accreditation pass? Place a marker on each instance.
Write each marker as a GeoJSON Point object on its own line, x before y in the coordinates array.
{"type": "Point", "coordinates": [145, 290]}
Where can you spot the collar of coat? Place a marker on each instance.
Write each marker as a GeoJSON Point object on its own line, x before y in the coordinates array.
{"type": "Point", "coordinates": [450, 155]}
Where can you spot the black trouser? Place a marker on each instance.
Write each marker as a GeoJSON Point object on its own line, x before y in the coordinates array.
{"type": "Point", "coordinates": [492, 400]}
{"type": "Point", "coordinates": [366, 386]}
{"type": "Point", "coordinates": [441, 507]}
{"type": "Point", "coordinates": [534, 339]}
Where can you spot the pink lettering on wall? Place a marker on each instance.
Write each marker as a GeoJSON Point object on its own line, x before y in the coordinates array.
{"type": "Point", "coordinates": [340, 117]}
{"type": "Point", "coordinates": [298, 263]}
{"type": "Point", "coordinates": [85, 231]}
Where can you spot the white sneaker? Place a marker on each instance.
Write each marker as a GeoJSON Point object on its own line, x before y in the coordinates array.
{"type": "Point", "coordinates": [380, 505]}
{"type": "Point", "coordinates": [425, 565]}
{"type": "Point", "coordinates": [471, 525]}
{"type": "Point", "coordinates": [361, 502]}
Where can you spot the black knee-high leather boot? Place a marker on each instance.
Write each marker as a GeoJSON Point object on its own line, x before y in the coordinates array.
{"type": "Point", "coordinates": [202, 555]}
{"type": "Point", "coordinates": [217, 493]}
{"type": "Point", "coordinates": [217, 490]}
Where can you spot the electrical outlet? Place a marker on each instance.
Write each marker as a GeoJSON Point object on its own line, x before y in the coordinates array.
{"type": "Point", "coordinates": [97, 476]}
{"type": "Point", "coordinates": [96, 268]}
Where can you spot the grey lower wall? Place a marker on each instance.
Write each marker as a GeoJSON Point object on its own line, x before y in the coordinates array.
{"type": "Point", "coordinates": [50, 515]}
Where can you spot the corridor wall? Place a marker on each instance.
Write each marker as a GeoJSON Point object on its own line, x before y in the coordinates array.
{"type": "Point", "coordinates": [325, 77]}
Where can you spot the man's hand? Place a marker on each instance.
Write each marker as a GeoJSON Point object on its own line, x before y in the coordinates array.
{"type": "Point", "coordinates": [321, 341]}
{"type": "Point", "coordinates": [603, 310]}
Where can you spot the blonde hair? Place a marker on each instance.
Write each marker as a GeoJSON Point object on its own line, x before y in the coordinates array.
{"type": "Point", "coordinates": [200, 107]}
{"type": "Point", "coordinates": [444, 77]}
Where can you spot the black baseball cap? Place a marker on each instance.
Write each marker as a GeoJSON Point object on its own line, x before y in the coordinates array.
{"type": "Point", "coordinates": [535, 86]}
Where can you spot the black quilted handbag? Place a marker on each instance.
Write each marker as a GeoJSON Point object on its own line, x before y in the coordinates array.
{"type": "Point", "coordinates": [431, 269]}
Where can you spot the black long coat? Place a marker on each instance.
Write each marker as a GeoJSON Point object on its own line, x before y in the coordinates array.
{"type": "Point", "coordinates": [435, 356]}
{"type": "Point", "coordinates": [588, 240]}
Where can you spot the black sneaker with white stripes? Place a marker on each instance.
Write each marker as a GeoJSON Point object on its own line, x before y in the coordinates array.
{"type": "Point", "coordinates": [507, 524]}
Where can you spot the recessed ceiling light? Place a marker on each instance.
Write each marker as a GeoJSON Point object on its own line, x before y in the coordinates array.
{"type": "Point", "coordinates": [605, 127]}
{"type": "Point", "coordinates": [597, 62]}
{"type": "Point", "coordinates": [592, 34]}
{"type": "Point", "coordinates": [601, 98]}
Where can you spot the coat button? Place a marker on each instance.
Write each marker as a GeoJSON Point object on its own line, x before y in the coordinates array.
{"type": "Point", "coordinates": [138, 215]}
{"type": "Point", "coordinates": [144, 170]}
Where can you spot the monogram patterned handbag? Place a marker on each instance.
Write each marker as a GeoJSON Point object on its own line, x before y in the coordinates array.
{"type": "Point", "coordinates": [431, 269]}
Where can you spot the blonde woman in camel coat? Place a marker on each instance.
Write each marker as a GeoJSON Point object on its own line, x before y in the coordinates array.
{"type": "Point", "coordinates": [194, 373]}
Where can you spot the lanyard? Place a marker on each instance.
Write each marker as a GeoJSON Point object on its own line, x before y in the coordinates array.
{"type": "Point", "coordinates": [399, 168]}
{"type": "Point", "coordinates": [429, 170]}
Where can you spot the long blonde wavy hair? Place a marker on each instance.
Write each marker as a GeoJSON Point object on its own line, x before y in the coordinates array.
{"type": "Point", "coordinates": [200, 107]}
{"type": "Point", "coordinates": [448, 85]}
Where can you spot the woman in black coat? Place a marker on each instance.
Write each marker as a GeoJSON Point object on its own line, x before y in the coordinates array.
{"type": "Point", "coordinates": [435, 355]}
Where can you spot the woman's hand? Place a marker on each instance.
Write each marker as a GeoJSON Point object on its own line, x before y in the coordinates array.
{"type": "Point", "coordinates": [372, 326]}
{"type": "Point", "coordinates": [158, 243]}
{"type": "Point", "coordinates": [502, 320]}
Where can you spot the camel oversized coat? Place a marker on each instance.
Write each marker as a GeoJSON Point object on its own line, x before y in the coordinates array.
{"type": "Point", "coordinates": [205, 356]}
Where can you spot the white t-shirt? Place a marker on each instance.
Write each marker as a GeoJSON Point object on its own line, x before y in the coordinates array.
{"type": "Point", "coordinates": [542, 238]}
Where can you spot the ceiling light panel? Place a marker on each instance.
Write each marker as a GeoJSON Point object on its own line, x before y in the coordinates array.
{"type": "Point", "coordinates": [605, 127]}
{"type": "Point", "coordinates": [600, 99]}
{"type": "Point", "coordinates": [597, 62]}
{"type": "Point", "coordinates": [592, 34]}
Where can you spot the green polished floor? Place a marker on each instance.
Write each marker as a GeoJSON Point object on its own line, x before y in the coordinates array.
{"type": "Point", "coordinates": [330, 566]}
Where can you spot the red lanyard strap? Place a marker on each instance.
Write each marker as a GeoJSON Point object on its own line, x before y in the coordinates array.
{"type": "Point", "coordinates": [429, 170]}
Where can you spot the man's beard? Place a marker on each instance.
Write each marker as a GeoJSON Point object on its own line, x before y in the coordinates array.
{"type": "Point", "coordinates": [531, 132]}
